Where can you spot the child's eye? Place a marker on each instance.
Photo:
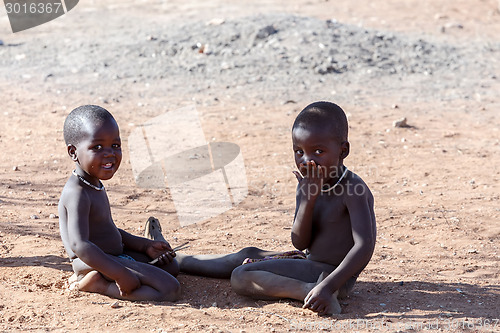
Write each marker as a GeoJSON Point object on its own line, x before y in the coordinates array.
{"type": "Point", "coordinates": [98, 147]}
{"type": "Point", "coordinates": [116, 145]}
{"type": "Point", "coordinates": [318, 151]}
{"type": "Point", "coordinates": [299, 152]}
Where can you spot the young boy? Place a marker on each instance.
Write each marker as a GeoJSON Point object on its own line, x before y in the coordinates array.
{"type": "Point", "coordinates": [334, 223]}
{"type": "Point", "coordinates": [105, 259]}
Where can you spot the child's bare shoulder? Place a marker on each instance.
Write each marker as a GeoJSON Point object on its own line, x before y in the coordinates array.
{"type": "Point", "coordinates": [73, 195]}
{"type": "Point", "coordinates": [356, 187]}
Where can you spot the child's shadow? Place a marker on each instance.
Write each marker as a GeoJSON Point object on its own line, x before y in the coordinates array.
{"type": "Point", "coordinates": [49, 261]}
{"type": "Point", "coordinates": [422, 301]}
{"type": "Point", "coordinates": [412, 301]}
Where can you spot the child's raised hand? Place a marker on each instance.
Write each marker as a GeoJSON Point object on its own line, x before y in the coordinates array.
{"type": "Point", "coordinates": [311, 178]}
{"type": "Point", "coordinates": [162, 251]}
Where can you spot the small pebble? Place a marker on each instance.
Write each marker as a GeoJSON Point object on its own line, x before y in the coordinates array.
{"type": "Point", "coordinates": [34, 217]}
{"type": "Point", "coordinates": [53, 216]}
{"type": "Point", "coordinates": [15, 168]}
{"type": "Point", "coordinates": [400, 123]}
{"type": "Point", "coordinates": [115, 305]}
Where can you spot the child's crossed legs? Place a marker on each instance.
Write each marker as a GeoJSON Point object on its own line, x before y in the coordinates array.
{"type": "Point", "coordinates": [156, 284]}
{"type": "Point", "coordinates": [284, 278]}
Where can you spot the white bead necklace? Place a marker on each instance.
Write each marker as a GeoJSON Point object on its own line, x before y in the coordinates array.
{"type": "Point", "coordinates": [86, 182]}
{"type": "Point", "coordinates": [338, 182]}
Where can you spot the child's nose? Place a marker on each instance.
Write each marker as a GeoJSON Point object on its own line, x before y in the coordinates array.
{"type": "Point", "coordinates": [306, 159]}
{"type": "Point", "coordinates": [109, 152]}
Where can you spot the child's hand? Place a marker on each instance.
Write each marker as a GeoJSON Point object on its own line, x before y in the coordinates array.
{"type": "Point", "coordinates": [321, 300]}
{"type": "Point", "coordinates": [162, 251]}
{"type": "Point", "coordinates": [311, 178]}
{"type": "Point", "coordinates": [127, 283]}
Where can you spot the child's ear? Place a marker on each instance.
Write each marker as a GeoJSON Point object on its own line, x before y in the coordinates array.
{"type": "Point", "coordinates": [72, 152]}
{"type": "Point", "coordinates": [345, 146]}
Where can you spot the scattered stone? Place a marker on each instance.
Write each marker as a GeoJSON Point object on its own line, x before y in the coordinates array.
{"type": "Point", "coordinates": [34, 217]}
{"type": "Point", "coordinates": [216, 21]}
{"type": "Point", "coordinates": [440, 16]}
{"type": "Point", "coordinates": [214, 304]}
{"type": "Point", "coordinates": [15, 168]}
{"type": "Point", "coordinates": [53, 216]}
{"type": "Point", "coordinates": [266, 32]}
{"type": "Point", "coordinates": [451, 25]}
{"type": "Point", "coordinates": [115, 305]}
{"type": "Point", "coordinates": [400, 123]}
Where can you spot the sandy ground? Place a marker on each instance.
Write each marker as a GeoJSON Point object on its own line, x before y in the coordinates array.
{"type": "Point", "coordinates": [436, 262]}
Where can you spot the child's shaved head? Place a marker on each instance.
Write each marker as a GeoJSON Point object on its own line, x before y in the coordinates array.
{"type": "Point", "coordinates": [324, 114]}
{"type": "Point", "coordinates": [80, 119]}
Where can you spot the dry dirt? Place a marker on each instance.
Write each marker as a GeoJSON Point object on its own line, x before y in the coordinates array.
{"type": "Point", "coordinates": [436, 183]}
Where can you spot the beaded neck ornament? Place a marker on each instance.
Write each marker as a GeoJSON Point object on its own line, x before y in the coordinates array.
{"type": "Point", "coordinates": [86, 182]}
{"type": "Point", "coordinates": [338, 182]}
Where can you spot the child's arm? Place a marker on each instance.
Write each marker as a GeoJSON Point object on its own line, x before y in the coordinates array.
{"type": "Point", "coordinates": [360, 209]}
{"type": "Point", "coordinates": [154, 249]}
{"type": "Point", "coordinates": [308, 189]}
{"type": "Point", "coordinates": [78, 209]}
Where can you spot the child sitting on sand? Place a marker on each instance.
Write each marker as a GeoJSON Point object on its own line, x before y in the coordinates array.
{"type": "Point", "coordinates": [334, 223]}
{"type": "Point", "coordinates": [106, 259]}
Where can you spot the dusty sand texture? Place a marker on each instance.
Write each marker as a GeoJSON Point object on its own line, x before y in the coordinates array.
{"type": "Point", "coordinates": [435, 182]}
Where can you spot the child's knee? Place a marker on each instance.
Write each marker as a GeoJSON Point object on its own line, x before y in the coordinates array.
{"type": "Point", "coordinates": [172, 291]}
{"type": "Point", "coordinates": [239, 279]}
{"type": "Point", "coordinates": [250, 252]}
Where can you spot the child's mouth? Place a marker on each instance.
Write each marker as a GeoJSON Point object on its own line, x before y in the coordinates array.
{"type": "Point", "coordinates": [107, 165]}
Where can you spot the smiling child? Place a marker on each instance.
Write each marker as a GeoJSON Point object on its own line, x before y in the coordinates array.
{"type": "Point", "coordinates": [106, 259]}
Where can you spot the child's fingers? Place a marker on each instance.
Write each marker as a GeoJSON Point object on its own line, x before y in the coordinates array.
{"type": "Point", "coordinates": [298, 175]}
{"type": "Point", "coordinates": [166, 258]}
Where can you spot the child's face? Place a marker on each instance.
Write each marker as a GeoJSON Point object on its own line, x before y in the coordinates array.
{"type": "Point", "coordinates": [99, 154]}
{"type": "Point", "coordinates": [315, 143]}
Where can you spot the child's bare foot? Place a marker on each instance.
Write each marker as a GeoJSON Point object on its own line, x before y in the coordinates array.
{"type": "Point", "coordinates": [336, 309]}
{"type": "Point", "coordinates": [152, 229]}
{"type": "Point", "coordinates": [92, 282]}
{"type": "Point", "coordinates": [72, 279]}
{"type": "Point", "coordinates": [334, 305]}
{"type": "Point", "coordinates": [73, 282]}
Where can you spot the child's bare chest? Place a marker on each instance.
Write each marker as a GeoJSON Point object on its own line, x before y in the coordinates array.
{"type": "Point", "coordinates": [102, 230]}
{"type": "Point", "coordinates": [331, 231]}
{"type": "Point", "coordinates": [330, 212]}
